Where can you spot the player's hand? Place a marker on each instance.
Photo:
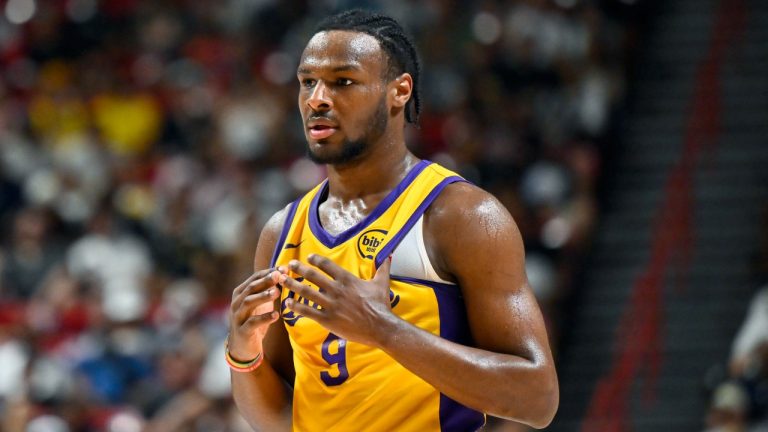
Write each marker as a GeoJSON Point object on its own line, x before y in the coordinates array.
{"type": "Point", "coordinates": [351, 308]}
{"type": "Point", "coordinates": [252, 311]}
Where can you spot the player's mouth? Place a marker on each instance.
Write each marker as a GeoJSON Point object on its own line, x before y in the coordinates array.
{"type": "Point", "coordinates": [321, 127]}
{"type": "Point", "coordinates": [319, 132]}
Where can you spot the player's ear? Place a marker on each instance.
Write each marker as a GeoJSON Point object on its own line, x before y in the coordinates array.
{"type": "Point", "coordinates": [400, 90]}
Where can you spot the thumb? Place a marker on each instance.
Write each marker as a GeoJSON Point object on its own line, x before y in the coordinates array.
{"type": "Point", "coordinates": [382, 274]}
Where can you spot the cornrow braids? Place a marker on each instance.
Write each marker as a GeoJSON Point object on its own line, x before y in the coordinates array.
{"type": "Point", "coordinates": [401, 53]}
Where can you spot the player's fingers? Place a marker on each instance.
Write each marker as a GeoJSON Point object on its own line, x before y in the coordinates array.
{"type": "Point", "coordinates": [328, 266]}
{"type": "Point", "coordinates": [256, 286]}
{"type": "Point", "coordinates": [312, 274]}
{"type": "Point", "coordinates": [255, 321]}
{"type": "Point", "coordinates": [299, 308]}
{"type": "Point", "coordinates": [253, 301]}
{"type": "Point", "coordinates": [261, 297]}
{"type": "Point", "coordinates": [252, 287]}
{"type": "Point", "coordinates": [262, 284]}
{"type": "Point", "coordinates": [255, 275]}
{"type": "Point", "coordinates": [305, 291]}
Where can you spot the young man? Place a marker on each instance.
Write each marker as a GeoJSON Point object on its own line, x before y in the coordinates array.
{"type": "Point", "coordinates": [401, 287]}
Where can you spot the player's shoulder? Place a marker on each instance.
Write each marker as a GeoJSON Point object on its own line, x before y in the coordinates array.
{"type": "Point", "coordinates": [463, 202]}
{"type": "Point", "coordinates": [465, 227]}
{"type": "Point", "coordinates": [274, 225]}
{"type": "Point", "coordinates": [466, 214]}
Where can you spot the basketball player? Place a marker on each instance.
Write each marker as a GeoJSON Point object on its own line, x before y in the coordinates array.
{"type": "Point", "coordinates": [400, 287]}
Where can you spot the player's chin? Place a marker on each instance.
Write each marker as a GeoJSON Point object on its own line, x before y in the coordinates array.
{"type": "Point", "coordinates": [331, 144]}
{"type": "Point", "coordinates": [319, 148]}
{"type": "Point", "coordinates": [321, 152]}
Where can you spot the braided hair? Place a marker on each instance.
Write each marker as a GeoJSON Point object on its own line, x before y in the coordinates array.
{"type": "Point", "coordinates": [401, 53]}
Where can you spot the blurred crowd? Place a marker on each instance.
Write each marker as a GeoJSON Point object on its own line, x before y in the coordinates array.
{"type": "Point", "coordinates": [143, 144]}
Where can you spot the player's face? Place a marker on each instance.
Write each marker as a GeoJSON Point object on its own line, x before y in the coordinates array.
{"type": "Point", "coordinates": [342, 95]}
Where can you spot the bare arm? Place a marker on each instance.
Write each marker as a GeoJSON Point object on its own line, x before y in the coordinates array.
{"type": "Point", "coordinates": [262, 396]}
{"type": "Point", "coordinates": [472, 239]}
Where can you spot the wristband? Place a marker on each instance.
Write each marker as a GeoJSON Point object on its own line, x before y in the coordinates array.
{"type": "Point", "coordinates": [238, 366]}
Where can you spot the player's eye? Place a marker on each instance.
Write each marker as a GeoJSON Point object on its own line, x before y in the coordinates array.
{"type": "Point", "coordinates": [308, 82]}
{"type": "Point", "coordinates": [344, 81]}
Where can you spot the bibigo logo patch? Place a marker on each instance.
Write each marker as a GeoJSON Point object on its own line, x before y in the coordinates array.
{"type": "Point", "coordinates": [369, 242]}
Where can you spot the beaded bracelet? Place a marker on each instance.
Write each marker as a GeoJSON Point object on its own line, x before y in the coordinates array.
{"type": "Point", "coordinates": [240, 366]}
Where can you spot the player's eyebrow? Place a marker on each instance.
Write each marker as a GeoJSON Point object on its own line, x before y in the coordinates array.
{"type": "Point", "coordinates": [346, 67]}
{"type": "Point", "coordinates": [341, 68]}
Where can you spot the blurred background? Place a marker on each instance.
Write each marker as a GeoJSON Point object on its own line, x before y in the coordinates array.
{"type": "Point", "coordinates": [143, 144]}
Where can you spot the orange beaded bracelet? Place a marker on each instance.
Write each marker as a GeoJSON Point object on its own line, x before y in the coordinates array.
{"type": "Point", "coordinates": [240, 366]}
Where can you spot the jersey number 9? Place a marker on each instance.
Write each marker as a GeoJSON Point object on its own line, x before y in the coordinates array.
{"type": "Point", "coordinates": [338, 358]}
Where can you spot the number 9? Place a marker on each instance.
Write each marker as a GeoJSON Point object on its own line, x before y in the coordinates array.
{"type": "Point", "coordinates": [338, 358]}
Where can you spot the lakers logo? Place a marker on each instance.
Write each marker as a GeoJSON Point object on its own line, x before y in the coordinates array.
{"type": "Point", "coordinates": [290, 317]}
{"type": "Point", "coordinates": [368, 242]}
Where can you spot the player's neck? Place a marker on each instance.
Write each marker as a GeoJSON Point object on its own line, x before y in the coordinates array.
{"type": "Point", "coordinates": [375, 174]}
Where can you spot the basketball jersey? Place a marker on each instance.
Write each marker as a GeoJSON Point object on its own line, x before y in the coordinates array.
{"type": "Point", "coordinates": [346, 386]}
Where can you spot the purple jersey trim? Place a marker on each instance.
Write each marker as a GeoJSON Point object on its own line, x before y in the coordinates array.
{"type": "Point", "coordinates": [454, 416]}
{"type": "Point", "coordinates": [284, 233]}
{"type": "Point", "coordinates": [387, 250]}
{"type": "Point", "coordinates": [331, 241]}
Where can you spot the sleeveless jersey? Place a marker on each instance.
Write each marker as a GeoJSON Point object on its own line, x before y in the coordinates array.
{"type": "Point", "coordinates": [346, 386]}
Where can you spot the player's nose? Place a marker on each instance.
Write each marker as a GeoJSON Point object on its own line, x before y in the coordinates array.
{"type": "Point", "coordinates": [319, 99]}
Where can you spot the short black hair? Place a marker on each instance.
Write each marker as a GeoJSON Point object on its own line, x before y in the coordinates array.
{"type": "Point", "coordinates": [401, 52]}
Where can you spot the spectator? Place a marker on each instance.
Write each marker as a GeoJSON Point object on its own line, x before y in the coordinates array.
{"type": "Point", "coordinates": [29, 258]}
{"type": "Point", "coordinates": [728, 409]}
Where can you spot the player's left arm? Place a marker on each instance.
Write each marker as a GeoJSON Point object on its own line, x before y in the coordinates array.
{"type": "Point", "coordinates": [472, 239]}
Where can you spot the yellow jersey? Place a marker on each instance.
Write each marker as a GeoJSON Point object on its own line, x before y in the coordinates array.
{"type": "Point", "coordinates": [346, 386]}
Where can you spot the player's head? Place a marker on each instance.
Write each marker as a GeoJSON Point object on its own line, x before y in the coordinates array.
{"type": "Point", "coordinates": [359, 76]}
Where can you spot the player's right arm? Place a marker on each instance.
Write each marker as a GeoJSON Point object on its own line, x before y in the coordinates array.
{"type": "Point", "coordinates": [263, 396]}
